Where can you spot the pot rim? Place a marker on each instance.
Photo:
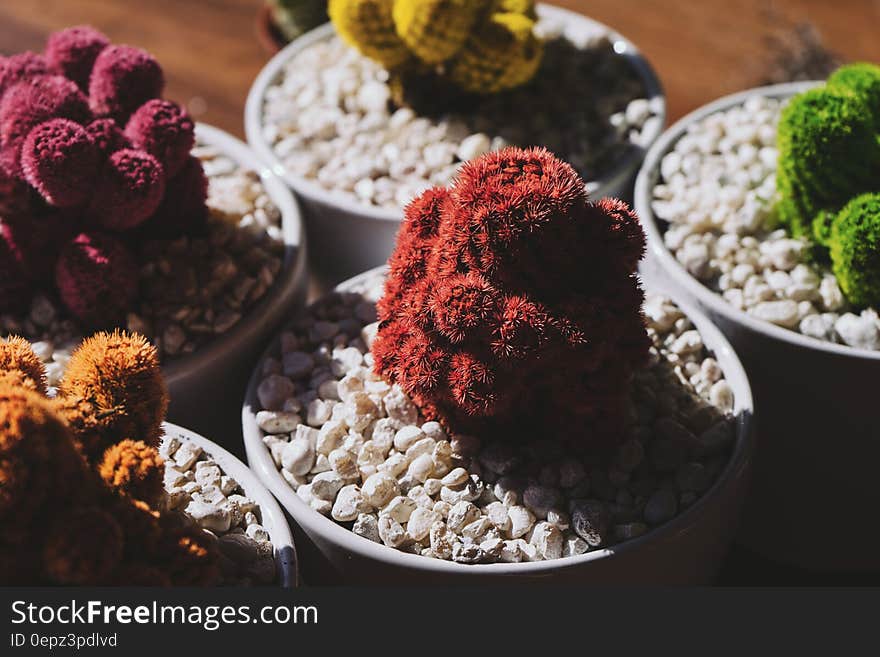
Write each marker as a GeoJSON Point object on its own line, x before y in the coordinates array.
{"type": "Point", "coordinates": [314, 523]}
{"type": "Point", "coordinates": [647, 178]}
{"type": "Point", "coordinates": [314, 192]}
{"type": "Point", "coordinates": [285, 284]}
{"type": "Point", "coordinates": [273, 518]}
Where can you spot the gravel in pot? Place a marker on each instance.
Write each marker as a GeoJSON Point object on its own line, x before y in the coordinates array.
{"type": "Point", "coordinates": [465, 478]}
{"type": "Point", "coordinates": [771, 234]}
{"type": "Point", "coordinates": [116, 210]}
{"type": "Point", "coordinates": [333, 122]}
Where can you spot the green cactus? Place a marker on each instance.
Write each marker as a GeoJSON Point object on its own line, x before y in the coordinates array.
{"type": "Point", "coordinates": [863, 81]}
{"type": "Point", "coordinates": [855, 250]}
{"type": "Point", "coordinates": [481, 46]}
{"type": "Point", "coordinates": [296, 17]}
{"type": "Point", "coordinates": [829, 152]}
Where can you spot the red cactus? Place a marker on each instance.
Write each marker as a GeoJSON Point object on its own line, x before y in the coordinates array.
{"type": "Point", "coordinates": [97, 279]}
{"type": "Point", "coordinates": [21, 66]}
{"type": "Point", "coordinates": [29, 103]}
{"type": "Point", "coordinates": [512, 301]}
{"type": "Point", "coordinates": [165, 131]}
{"type": "Point", "coordinates": [183, 209]}
{"type": "Point", "coordinates": [73, 52]}
{"type": "Point", "coordinates": [36, 240]}
{"type": "Point", "coordinates": [123, 78]}
{"type": "Point", "coordinates": [129, 189]}
{"type": "Point", "coordinates": [107, 137]}
{"type": "Point", "coordinates": [59, 159]}
{"type": "Point", "coordinates": [15, 289]}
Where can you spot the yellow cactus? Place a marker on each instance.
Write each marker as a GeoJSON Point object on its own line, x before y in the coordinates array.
{"type": "Point", "coordinates": [368, 26]}
{"type": "Point", "coordinates": [524, 7]}
{"type": "Point", "coordinates": [501, 54]}
{"type": "Point", "coordinates": [434, 30]}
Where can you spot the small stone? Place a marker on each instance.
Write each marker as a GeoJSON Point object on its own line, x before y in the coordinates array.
{"type": "Point", "coordinates": [350, 503]}
{"type": "Point", "coordinates": [541, 499]}
{"type": "Point", "coordinates": [442, 540]}
{"type": "Point", "coordinates": [379, 489]}
{"type": "Point", "coordinates": [420, 522]}
{"type": "Point", "coordinates": [573, 546]}
{"type": "Point", "coordinates": [462, 513]}
{"type": "Point", "coordinates": [547, 539]}
{"type": "Point", "coordinates": [276, 422]}
{"type": "Point", "coordinates": [326, 485]}
{"type": "Point", "coordinates": [661, 507]}
{"type": "Point", "coordinates": [391, 532]}
{"type": "Point", "coordinates": [521, 521]}
{"type": "Point", "coordinates": [589, 520]}
{"type": "Point", "coordinates": [367, 526]}
{"type": "Point", "coordinates": [298, 456]}
{"type": "Point", "coordinates": [406, 437]}
{"type": "Point", "coordinates": [400, 508]}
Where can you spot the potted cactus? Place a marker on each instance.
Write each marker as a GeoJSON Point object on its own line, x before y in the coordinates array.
{"type": "Point", "coordinates": [281, 21]}
{"type": "Point", "coordinates": [390, 99]}
{"type": "Point", "coordinates": [118, 211]}
{"type": "Point", "coordinates": [495, 406]}
{"type": "Point", "coordinates": [83, 482]}
{"type": "Point", "coordinates": [780, 246]}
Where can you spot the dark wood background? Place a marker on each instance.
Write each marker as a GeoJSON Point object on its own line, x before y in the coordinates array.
{"type": "Point", "coordinates": [702, 49]}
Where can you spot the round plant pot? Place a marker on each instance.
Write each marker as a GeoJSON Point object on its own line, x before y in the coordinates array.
{"type": "Point", "coordinates": [687, 550]}
{"type": "Point", "coordinates": [815, 473]}
{"type": "Point", "coordinates": [347, 237]}
{"type": "Point", "coordinates": [272, 519]}
{"type": "Point", "coordinates": [199, 384]}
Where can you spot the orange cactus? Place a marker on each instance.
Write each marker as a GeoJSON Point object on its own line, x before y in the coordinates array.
{"type": "Point", "coordinates": [113, 388]}
{"type": "Point", "coordinates": [85, 547]}
{"type": "Point", "coordinates": [20, 365]}
{"type": "Point", "coordinates": [133, 468]}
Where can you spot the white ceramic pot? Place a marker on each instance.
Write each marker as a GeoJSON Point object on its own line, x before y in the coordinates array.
{"type": "Point", "coordinates": [814, 495]}
{"type": "Point", "coordinates": [272, 517]}
{"type": "Point", "coordinates": [347, 237]}
{"type": "Point", "coordinates": [201, 394]}
{"type": "Point", "coordinates": [687, 550]}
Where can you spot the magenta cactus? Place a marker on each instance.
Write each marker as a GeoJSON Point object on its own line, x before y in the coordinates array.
{"type": "Point", "coordinates": [107, 137]}
{"type": "Point", "coordinates": [15, 290]}
{"type": "Point", "coordinates": [129, 189]}
{"type": "Point", "coordinates": [165, 131]}
{"type": "Point", "coordinates": [30, 102]}
{"type": "Point", "coordinates": [72, 52]}
{"type": "Point", "coordinates": [123, 78]}
{"type": "Point", "coordinates": [37, 239]}
{"type": "Point", "coordinates": [183, 210]}
{"type": "Point", "coordinates": [60, 161]}
{"type": "Point", "coordinates": [97, 279]}
{"type": "Point", "coordinates": [512, 300]}
{"type": "Point", "coordinates": [21, 66]}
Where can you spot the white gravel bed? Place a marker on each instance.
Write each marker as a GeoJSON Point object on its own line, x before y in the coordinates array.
{"type": "Point", "coordinates": [716, 193]}
{"type": "Point", "coordinates": [330, 119]}
{"type": "Point", "coordinates": [356, 450]}
{"type": "Point", "coordinates": [191, 289]}
{"type": "Point", "coordinates": [198, 487]}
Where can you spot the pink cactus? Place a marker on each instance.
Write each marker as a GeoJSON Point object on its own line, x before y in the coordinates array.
{"type": "Point", "coordinates": [97, 279]}
{"type": "Point", "coordinates": [123, 79]}
{"type": "Point", "coordinates": [72, 52]}
{"type": "Point", "coordinates": [60, 161]}
{"type": "Point", "coordinates": [30, 102]}
{"type": "Point", "coordinates": [107, 137]}
{"type": "Point", "coordinates": [165, 131]}
{"type": "Point", "coordinates": [183, 210]}
{"type": "Point", "coordinates": [130, 188]}
{"type": "Point", "coordinates": [21, 66]}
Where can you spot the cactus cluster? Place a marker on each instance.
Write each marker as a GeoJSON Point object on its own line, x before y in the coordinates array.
{"type": "Point", "coordinates": [89, 152]}
{"type": "Point", "coordinates": [480, 46]}
{"type": "Point", "coordinates": [81, 480]}
{"type": "Point", "coordinates": [829, 166]}
{"type": "Point", "coordinates": [512, 299]}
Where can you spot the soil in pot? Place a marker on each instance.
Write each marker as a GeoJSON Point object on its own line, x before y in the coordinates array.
{"type": "Point", "coordinates": [84, 501]}
{"type": "Point", "coordinates": [718, 200]}
{"type": "Point", "coordinates": [331, 117]}
{"type": "Point", "coordinates": [181, 262]}
{"type": "Point", "coordinates": [357, 448]}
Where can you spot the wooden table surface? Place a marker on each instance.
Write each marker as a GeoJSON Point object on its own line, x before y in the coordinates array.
{"type": "Point", "coordinates": [702, 49]}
